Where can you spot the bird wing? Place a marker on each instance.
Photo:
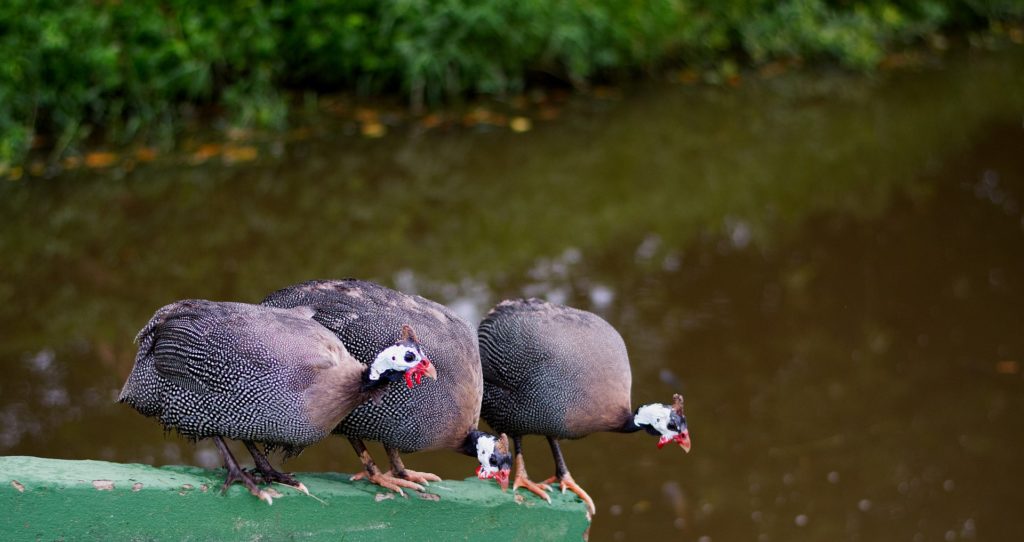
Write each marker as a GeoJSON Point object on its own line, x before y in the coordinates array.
{"type": "Point", "coordinates": [208, 347]}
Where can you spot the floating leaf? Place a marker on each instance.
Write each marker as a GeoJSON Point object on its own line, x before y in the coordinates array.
{"type": "Point", "coordinates": [431, 121]}
{"type": "Point", "coordinates": [100, 159]}
{"type": "Point", "coordinates": [520, 124]}
{"type": "Point", "coordinates": [145, 154]}
{"type": "Point", "coordinates": [366, 115]}
{"type": "Point", "coordinates": [1007, 367]}
{"type": "Point", "coordinates": [549, 113]}
{"type": "Point", "coordinates": [689, 76]}
{"type": "Point", "coordinates": [205, 152]}
{"type": "Point", "coordinates": [1016, 35]}
{"type": "Point", "coordinates": [240, 154]}
{"type": "Point", "coordinates": [373, 129]}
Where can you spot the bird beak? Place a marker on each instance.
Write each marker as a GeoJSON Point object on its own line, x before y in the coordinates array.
{"type": "Point", "coordinates": [428, 369]}
{"type": "Point", "coordinates": [502, 477]}
{"type": "Point", "coordinates": [683, 439]}
{"type": "Point", "coordinates": [415, 375]}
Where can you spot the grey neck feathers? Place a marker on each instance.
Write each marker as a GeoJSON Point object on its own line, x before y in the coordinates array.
{"type": "Point", "coordinates": [469, 444]}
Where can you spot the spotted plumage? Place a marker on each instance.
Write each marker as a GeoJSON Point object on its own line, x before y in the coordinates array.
{"type": "Point", "coordinates": [240, 371]}
{"type": "Point", "coordinates": [364, 315]}
{"type": "Point", "coordinates": [442, 414]}
{"type": "Point", "coordinates": [552, 370]}
{"type": "Point", "coordinates": [562, 373]}
{"type": "Point", "coordinates": [256, 374]}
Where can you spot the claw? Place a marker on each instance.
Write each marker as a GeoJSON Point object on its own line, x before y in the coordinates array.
{"type": "Point", "coordinates": [566, 482]}
{"type": "Point", "coordinates": [416, 476]}
{"type": "Point", "coordinates": [388, 481]}
{"type": "Point", "coordinates": [538, 489]}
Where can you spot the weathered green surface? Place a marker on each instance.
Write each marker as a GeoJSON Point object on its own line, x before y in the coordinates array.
{"type": "Point", "coordinates": [52, 499]}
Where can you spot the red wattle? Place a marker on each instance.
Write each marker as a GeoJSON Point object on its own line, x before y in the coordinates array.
{"type": "Point", "coordinates": [663, 441]}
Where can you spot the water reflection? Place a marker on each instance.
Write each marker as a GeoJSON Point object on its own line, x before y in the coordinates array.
{"type": "Point", "coordinates": [829, 269]}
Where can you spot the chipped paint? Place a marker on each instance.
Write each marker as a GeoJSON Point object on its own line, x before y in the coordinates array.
{"type": "Point", "coordinates": [131, 496]}
{"type": "Point", "coordinates": [429, 496]}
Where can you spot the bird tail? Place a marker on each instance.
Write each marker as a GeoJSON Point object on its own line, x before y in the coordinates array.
{"type": "Point", "coordinates": [141, 389]}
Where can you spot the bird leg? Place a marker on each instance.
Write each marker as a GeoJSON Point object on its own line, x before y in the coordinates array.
{"type": "Point", "coordinates": [237, 474]}
{"type": "Point", "coordinates": [398, 470]}
{"type": "Point", "coordinates": [268, 473]}
{"type": "Point", "coordinates": [564, 479]}
{"type": "Point", "coordinates": [522, 479]}
{"type": "Point", "coordinates": [373, 474]}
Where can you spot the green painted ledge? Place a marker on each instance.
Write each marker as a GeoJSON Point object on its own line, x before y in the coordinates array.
{"type": "Point", "coordinates": [55, 499]}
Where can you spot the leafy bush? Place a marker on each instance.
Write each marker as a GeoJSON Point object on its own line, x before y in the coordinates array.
{"type": "Point", "coordinates": [72, 69]}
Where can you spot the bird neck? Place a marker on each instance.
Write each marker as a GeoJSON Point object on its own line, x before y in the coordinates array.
{"type": "Point", "coordinates": [369, 386]}
{"type": "Point", "coordinates": [629, 424]}
{"type": "Point", "coordinates": [469, 444]}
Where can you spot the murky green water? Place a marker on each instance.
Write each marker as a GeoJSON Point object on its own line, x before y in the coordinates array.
{"type": "Point", "coordinates": [831, 268]}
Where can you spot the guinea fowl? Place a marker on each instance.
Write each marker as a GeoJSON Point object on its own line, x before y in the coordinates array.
{"type": "Point", "coordinates": [441, 415]}
{"type": "Point", "coordinates": [562, 373]}
{"type": "Point", "coordinates": [260, 375]}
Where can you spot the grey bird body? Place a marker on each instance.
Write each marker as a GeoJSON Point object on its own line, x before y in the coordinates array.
{"type": "Point", "coordinates": [436, 415]}
{"type": "Point", "coordinates": [552, 370]}
{"type": "Point", "coordinates": [246, 372]}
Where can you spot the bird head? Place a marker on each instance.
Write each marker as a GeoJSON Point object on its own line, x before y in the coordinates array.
{"type": "Point", "coordinates": [405, 357]}
{"type": "Point", "coordinates": [495, 459]}
{"type": "Point", "coordinates": [667, 422]}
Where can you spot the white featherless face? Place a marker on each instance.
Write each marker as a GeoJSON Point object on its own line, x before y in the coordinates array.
{"type": "Point", "coordinates": [395, 358]}
{"type": "Point", "coordinates": [484, 451]}
{"type": "Point", "coordinates": [656, 415]}
{"type": "Point", "coordinates": [667, 422]}
{"type": "Point", "coordinates": [403, 358]}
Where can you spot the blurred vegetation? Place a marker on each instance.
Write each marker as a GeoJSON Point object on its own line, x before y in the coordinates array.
{"type": "Point", "coordinates": [127, 71]}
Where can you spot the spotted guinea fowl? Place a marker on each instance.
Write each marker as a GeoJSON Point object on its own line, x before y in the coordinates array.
{"type": "Point", "coordinates": [440, 415]}
{"type": "Point", "coordinates": [257, 374]}
{"type": "Point", "coordinates": [562, 373]}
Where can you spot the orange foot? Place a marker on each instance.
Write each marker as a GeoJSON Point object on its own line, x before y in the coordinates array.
{"type": "Point", "coordinates": [566, 482]}
{"type": "Point", "coordinates": [541, 490]}
{"type": "Point", "coordinates": [386, 480]}
{"type": "Point", "coordinates": [416, 476]}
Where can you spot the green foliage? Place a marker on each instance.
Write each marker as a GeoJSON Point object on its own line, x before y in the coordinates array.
{"type": "Point", "coordinates": [130, 70]}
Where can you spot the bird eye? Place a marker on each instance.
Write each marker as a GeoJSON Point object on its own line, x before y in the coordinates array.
{"type": "Point", "coordinates": [409, 356]}
{"type": "Point", "coordinates": [494, 461]}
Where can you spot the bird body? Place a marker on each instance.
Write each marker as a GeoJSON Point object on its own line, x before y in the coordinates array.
{"type": "Point", "coordinates": [362, 315]}
{"type": "Point", "coordinates": [552, 370]}
{"type": "Point", "coordinates": [243, 372]}
{"type": "Point", "coordinates": [562, 373]}
{"type": "Point", "coordinates": [440, 415]}
{"type": "Point", "coordinates": [257, 374]}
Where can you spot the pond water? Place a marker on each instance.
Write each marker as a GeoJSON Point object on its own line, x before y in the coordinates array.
{"type": "Point", "coordinates": [829, 267]}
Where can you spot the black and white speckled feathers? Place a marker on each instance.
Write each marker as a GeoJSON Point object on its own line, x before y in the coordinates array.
{"type": "Point", "coordinates": [435, 415]}
{"type": "Point", "coordinates": [552, 370]}
{"type": "Point", "coordinates": [244, 372]}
